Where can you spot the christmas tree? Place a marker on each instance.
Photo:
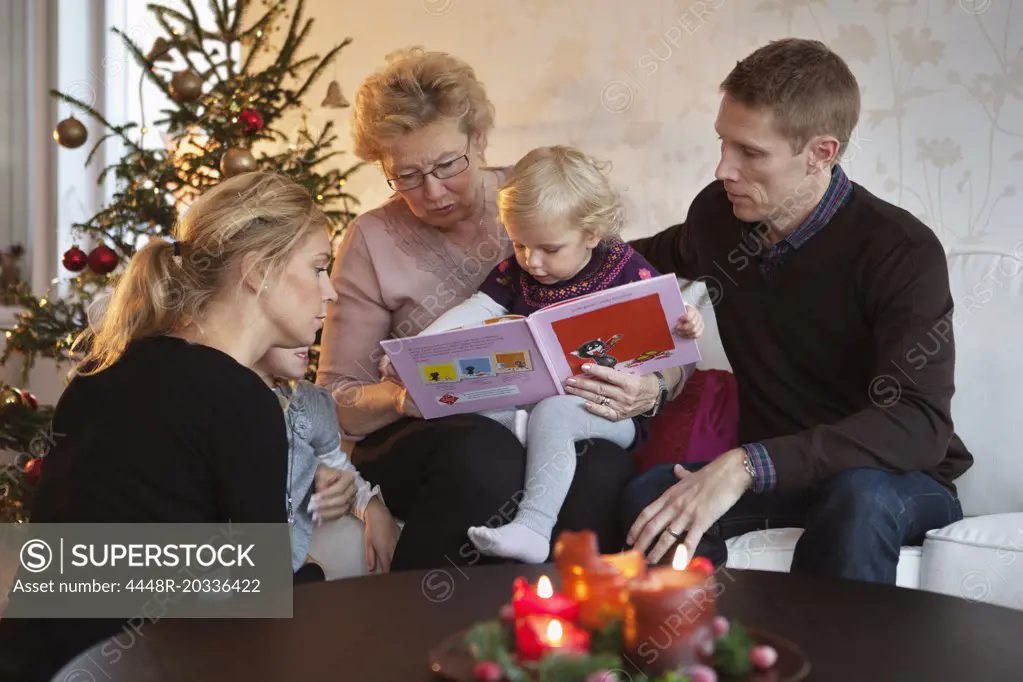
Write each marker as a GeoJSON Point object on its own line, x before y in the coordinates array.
{"type": "Point", "coordinates": [230, 90]}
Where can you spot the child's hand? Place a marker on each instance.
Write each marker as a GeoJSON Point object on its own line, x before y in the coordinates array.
{"type": "Point", "coordinates": [381, 536]}
{"type": "Point", "coordinates": [387, 372]}
{"type": "Point", "coordinates": [335, 492]}
{"type": "Point", "coordinates": [690, 326]}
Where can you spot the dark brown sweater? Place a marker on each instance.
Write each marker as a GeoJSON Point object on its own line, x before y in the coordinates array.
{"type": "Point", "coordinates": [844, 353]}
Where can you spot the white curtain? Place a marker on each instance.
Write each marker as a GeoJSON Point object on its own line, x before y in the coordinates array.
{"type": "Point", "coordinates": [14, 106]}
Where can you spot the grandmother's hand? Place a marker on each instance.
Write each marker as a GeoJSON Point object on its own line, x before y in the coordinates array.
{"type": "Point", "coordinates": [614, 395]}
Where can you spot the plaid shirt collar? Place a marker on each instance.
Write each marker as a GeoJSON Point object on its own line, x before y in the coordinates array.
{"type": "Point", "coordinates": [835, 197]}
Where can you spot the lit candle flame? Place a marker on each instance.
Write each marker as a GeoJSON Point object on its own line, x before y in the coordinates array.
{"type": "Point", "coordinates": [544, 589]}
{"type": "Point", "coordinates": [681, 559]}
{"type": "Point", "coordinates": [554, 632]}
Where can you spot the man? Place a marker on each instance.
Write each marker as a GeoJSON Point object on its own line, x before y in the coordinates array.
{"type": "Point", "coordinates": [834, 310]}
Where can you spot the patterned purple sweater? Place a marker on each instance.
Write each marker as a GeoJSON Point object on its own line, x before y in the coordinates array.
{"type": "Point", "coordinates": [613, 263]}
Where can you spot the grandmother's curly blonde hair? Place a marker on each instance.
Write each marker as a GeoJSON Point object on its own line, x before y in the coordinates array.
{"type": "Point", "coordinates": [412, 90]}
{"type": "Point", "coordinates": [554, 182]}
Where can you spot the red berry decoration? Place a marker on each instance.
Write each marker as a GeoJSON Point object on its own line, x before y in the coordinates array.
{"type": "Point", "coordinates": [75, 259]}
{"type": "Point", "coordinates": [102, 260]}
{"type": "Point", "coordinates": [251, 120]}
{"type": "Point", "coordinates": [487, 671]}
{"type": "Point", "coordinates": [702, 565]}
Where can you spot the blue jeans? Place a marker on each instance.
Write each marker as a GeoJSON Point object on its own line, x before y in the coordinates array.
{"type": "Point", "coordinates": [855, 522]}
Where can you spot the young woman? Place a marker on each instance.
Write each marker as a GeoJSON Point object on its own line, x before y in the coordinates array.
{"type": "Point", "coordinates": [164, 420]}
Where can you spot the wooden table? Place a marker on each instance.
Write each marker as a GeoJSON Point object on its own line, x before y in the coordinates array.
{"type": "Point", "coordinates": [381, 628]}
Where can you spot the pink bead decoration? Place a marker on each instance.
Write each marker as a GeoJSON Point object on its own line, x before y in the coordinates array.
{"type": "Point", "coordinates": [701, 673]}
{"type": "Point", "coordinates": [487, 671]}
{"type": "Point", "coordinates": [763, 657]}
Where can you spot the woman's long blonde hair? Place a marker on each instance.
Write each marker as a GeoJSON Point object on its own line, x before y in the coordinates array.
{"type": "Point", "coordinates": [259, 217]}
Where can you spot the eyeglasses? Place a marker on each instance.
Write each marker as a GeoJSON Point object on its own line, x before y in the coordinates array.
{"type": "Point", "coordinates": [442, 171]}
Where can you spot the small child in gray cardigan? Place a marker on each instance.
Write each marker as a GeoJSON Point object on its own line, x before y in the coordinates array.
{"type": "Point", "coordinates": [314, 444]}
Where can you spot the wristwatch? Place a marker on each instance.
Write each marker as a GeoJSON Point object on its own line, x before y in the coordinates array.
{"type": "Point", "coordinates": [662, 396]}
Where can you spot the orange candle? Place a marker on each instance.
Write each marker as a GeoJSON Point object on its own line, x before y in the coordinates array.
{"type": "Point", "coordinates": [599, 583]}
{"type": "Point", "coordinates": [669, 617]}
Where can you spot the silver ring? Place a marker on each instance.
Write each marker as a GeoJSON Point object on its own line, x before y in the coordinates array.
{"type": "Point", "coordinates": [605, 401]}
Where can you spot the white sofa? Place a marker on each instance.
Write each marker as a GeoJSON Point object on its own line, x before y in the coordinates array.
{"type": "Point", "coordinates": [981, 557]}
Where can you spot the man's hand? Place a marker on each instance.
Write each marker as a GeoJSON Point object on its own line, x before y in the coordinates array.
{"type": "Point", "coordinates": [691, 506]}
{"type": "Point", "coordinates": [335, 492]}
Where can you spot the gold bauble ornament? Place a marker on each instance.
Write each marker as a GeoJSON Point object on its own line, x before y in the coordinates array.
{"type": "Point", "coordinates": [70, 133]}
{"type": "Point", "coordinates": [9, 397]}
{"type": "Point", "coordinates": [185, 86]}
{"type": "Point", "coordinates": [236, 161]}
{"type": "Point", "coordinates": [335, 99]}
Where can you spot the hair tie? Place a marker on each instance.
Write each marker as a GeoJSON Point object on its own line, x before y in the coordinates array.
{"type": "Point", "coordinates": [177, 247]}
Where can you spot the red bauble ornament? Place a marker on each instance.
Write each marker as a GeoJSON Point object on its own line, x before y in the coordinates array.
{"type": "Point", "coordinates": [33, 468]}
{"type": "Point", "coordinates": [75, 259]}
{"type": "Point", "coordinates": [30, 401]}
{"type": "Point", "coordinates": [102, 260]}
{"type": "Point", "coordinates": [251, 120]}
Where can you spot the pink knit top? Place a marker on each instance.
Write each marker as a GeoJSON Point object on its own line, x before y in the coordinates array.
{"type": "Point", "coordinates": [394, 275]}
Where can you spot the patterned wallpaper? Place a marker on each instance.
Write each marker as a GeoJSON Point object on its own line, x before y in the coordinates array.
{"type": "Point", "coordinates": [941, 131]}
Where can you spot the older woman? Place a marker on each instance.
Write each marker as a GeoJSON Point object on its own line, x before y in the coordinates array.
{"type": "Point", "coordinates": [424, 117]}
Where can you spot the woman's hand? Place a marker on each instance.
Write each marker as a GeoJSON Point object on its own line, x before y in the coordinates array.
{"type": "Point", "coordinates": [407, 406]}
{"type": "Point", "coordinates": [612, 394]}
{"type": "Point", "coordinates": [335, 493]}
{"type": "Point", "coordinates": [381, 536]}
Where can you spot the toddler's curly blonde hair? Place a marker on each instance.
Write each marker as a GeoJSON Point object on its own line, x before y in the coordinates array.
{"type": "Point", "coordinates": [556, 182]}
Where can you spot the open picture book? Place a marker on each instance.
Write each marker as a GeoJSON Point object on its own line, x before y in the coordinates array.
{"type": "Point", "coordinates": [513, 360]}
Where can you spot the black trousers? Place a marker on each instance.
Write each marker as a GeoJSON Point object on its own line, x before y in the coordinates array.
{"type": "Point", "coordinates": [444, 475]}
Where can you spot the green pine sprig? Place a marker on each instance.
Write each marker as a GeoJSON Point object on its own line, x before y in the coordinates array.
{"type": "Point", "coordinates": [731, 652]}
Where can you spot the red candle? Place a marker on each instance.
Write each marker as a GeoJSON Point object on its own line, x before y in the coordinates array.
{"type": "Point", "coordinates": [542, 600]}
{"type": "Point", "coordinates": [537, 635]}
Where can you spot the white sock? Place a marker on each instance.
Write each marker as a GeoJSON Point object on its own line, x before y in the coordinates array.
{"type": "Point", "coordinates": [521, 422]}
{"type": "Point", "coordinates": [513, 541]}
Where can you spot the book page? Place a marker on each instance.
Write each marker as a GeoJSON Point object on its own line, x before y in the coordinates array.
{"type": "Point", "coordinates": [629, 328]}
{"type": "Point", "coordinates": [472, 369]}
